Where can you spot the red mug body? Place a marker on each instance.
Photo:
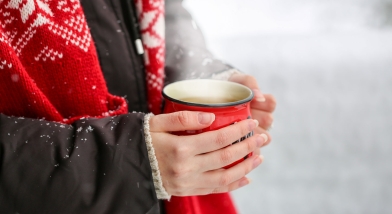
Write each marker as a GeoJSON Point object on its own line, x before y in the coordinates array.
{"type": "Point", "coordinates": [226, 113]}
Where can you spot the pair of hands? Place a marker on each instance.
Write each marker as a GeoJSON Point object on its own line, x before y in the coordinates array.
{"type": "Point", "coordinates": [192, 165]}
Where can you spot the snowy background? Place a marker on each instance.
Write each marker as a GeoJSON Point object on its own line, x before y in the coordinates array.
{"type": "Point", "coordinates": [329, 64]}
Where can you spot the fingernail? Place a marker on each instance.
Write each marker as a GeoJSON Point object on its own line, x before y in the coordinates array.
{"type": "Point", "coordinates": [256, 123]}
{"type": "Point", "coordinates": [256, 161]}
{"type": "Point", "coordinates": [261, 139]}
{"type": "Point", "coordinates": [244, 181]}
{"type": "Point", "coordinates": [206, 118]}
{"type": "Point", "coordinates": [265, 137]}
{"type": "Point", "coordinates": [259, 97]}
{"type": "Point", "coordinates": [253, 124]}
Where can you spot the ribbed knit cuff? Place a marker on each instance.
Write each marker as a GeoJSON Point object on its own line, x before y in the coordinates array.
{"type": "Point", "coordinates": [225, 75]}
{"type": "Point", "coordinates": [156, 175]}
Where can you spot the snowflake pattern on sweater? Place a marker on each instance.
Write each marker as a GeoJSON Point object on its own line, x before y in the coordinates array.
{"type": "Point", "coordinates": [32, 14]}
{"type": "Point", "coordinates": [152, 26]}
{"type": "Point", "coordinates": [49, 64]}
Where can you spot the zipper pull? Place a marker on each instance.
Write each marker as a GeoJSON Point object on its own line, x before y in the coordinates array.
{"type": "Point", "coordinates": [139, 46]}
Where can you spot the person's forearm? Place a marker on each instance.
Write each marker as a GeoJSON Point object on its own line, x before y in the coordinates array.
{"type": "Point", "coordinates": [92, 166]}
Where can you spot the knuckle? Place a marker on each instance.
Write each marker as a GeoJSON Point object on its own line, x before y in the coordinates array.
{"type": "Point", "coordinates": [226, 156]}
{"type": "Point", "coordinates": [183, 118]}
{"type": "Point", "coordinates": [173, 119]}
{"type": "Point", "coordinates": [224, 180]}
{"type": "Point", "coordinates": [179, 171]}
{"type": "Point", "coordinates": [245, 128]}
{"type": "Point", "coordinates": [250, 146]}
{"type": "Point", "coordinates": [241, 129]}
{"type": "Point", "coordinates": [221, 138]}
{"type": "Point", "coordinates": [180, 152]}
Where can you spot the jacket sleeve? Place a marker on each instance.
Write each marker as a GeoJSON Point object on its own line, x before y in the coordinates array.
{"type": "Point", "coordinates": [91, 166]}
{"type": "Point", "coordinates": [187, 56]}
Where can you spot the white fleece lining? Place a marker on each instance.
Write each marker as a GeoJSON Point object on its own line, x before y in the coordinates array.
{"type": "Point", "coordinates": [225, 75]}
{"type": "Point", "coordinates": [156, 175]}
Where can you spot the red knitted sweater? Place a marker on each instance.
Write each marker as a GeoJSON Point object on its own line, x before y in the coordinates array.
{"type": "Point", "coordinates": [48, 63]}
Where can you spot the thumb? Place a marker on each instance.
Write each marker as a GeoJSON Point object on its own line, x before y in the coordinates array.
{"type": "Point", "coordinates": [250, 82]}
{"type": "Point", "coordinates": [181, 121]}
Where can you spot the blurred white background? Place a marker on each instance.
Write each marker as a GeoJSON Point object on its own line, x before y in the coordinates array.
{"type": "Point", "coordinates": [329, 64]}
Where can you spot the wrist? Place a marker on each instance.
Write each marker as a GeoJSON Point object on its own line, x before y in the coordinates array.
{"type": "Point", "coordinates": [156, 175]}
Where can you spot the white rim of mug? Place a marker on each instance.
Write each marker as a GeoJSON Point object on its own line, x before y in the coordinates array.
{"type": "Point", "coordinates": [239, 102]}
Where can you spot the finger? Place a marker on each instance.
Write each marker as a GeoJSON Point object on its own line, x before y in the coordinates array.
{"type": "Point", "coordinates": [269, 105]}
{"type": "Point", "coordinates": [265, 118]}
{"type": "Point", "coordinates": [230, 154]}
{"type": "Point", "coordinates": [223, 177]}
{"type": "Point", "coordinates": [251, 83]}
{"type": "Point", "coordinates": [256, 152]}
{"type": "Point", "coordinates": [231, 187]}
{"type": "Point", "coordinates": [244, 79]}
{"type": "Point", "coordinates": [214, 140]}
{"type": "Point", "coordinates": [259, 130]}
{"type": "Point", "coordinates": [259, 97]}
{"type": "Point", "coordinates": [181, 121]}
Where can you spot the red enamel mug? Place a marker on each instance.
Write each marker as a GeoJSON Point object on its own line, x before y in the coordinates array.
{"type": "Point", "coordinates": [229, 101]}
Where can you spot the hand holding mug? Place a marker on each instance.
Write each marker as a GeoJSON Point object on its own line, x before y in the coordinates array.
{"type": "Point", "coordinates": [262, 106]}
{"type": "Point", "coordinates": [193, 164]}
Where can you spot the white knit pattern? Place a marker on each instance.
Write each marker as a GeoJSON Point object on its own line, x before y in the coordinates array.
{"type": "Point", "coordinates": [155, 21]}
{"type": "Point", "coordinates": [71, 30]}
{"type": "Point", "coordinates": [156, 175]}
{"type": "Point", "coordinates": [5, 64]}
{"type": "Point", "coordinates": [47, 53]}
{"type": "Point", "coordinates": [152, 26]}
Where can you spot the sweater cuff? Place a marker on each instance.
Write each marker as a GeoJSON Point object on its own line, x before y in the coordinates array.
{"type": "Point", "coordinates": [225, 75]}
{"type": "Point", "coordinates": [156, 175]}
